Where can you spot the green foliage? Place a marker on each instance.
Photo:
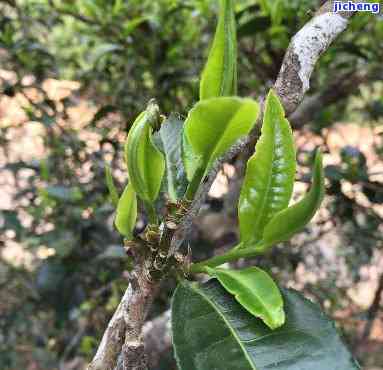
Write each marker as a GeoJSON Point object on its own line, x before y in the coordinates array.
{"type": "Point", "coordinates": [212, 331]}
{"type": "Point", "coordinates": [293, 219]}
{"type": "Point", "coordinates": [219, 77]}
{"type": "Point", "coordinates": [126, 213]}
{"type": "Point", "coordinates": [211, 128]}
{"type": "Point", "coordinates": [61, 193]}
{"type": "Point", "coordinates": [113, 193]}
{"type": "Point", "coordinates": [254, 290]}
{"type": "Point", "coordinates": [146, 164]}
{"type": "Point", "coordinates": [270, 173]}
{"type": "Point", "coordinates": [123, 54]}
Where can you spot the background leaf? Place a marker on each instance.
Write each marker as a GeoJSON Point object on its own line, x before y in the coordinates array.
{"type": "Point", "coordinates": [254, 290]}
{"type": "Point", "coordinates": [214, 125]}
{"type": "Point", "coordinates": [212, 331]}
{"type": "Point", "coordinates": [291, 220]}
{"type": "Point", "coordinates": [126, 212]}
{"type": "Point", "coordinates": [62, 193]}
{"type": "Point", "coordinates": [171, 133]}
{"type": "Point", "coordinates": [113, 193]}
{"type": "Point", "coordinates": [269, 179]}
{"type": "Point", "coordinates": [219, 77]}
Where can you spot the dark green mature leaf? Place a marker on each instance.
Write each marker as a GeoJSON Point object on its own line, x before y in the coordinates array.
{"type": "Point", "coordinates": [113, 193]}
{"type": "Point", "coordinates": [211, 331]}
{"type": "Point", "coordinates": [10, 220]}
{"type": "Point", "coordinates": [269, 179]}
{"type": "Point", "coordinates": [171, 133]}
{"type": "Point", "coordinates": [255, 25]}
{"type": "Point", "coordinates": [104, 49]}
{"type": "Point", "coordinates": [254, 290]}
{"type": "Point", "coordinates": [213, 126]}
{"type": "Point", "coordinates": [293, 219]}
{"type": "Point", "coordinates": [126, 212]}
{"type": "Point", "coordinates": [219, 77]}
{"type": "Point", "coordinates": [146, 164]}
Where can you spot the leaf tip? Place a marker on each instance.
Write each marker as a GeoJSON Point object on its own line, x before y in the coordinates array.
{"type": "Point", "coordinates": [273, 100]}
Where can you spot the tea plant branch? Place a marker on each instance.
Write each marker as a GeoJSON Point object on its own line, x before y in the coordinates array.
{"type": "Point", "coordinates": [291, 85]}
{"type": "Point", "coordinates": [304, 51]}
{"type": "Point", "coordinates": [157, 339]}
{"type": "Point", "coordinates": [230, 256]}
{"type": "Point", "coordinates": [125, 329]}
{"type": "Point", "coordinates": [113, 337]}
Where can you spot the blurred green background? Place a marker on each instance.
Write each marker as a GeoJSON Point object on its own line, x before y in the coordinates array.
{"type": "Point", "coordinates": [73, 76]}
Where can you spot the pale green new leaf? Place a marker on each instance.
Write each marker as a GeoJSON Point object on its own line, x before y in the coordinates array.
{"type": "Point", "coordinates": [190, 160]}
{"type": "Point", "coordinates": [113, 193]}
{"type": "Point", "coordinates": [146, 163]}
{"type": "Point", "coordinates": [126, 215]}
{"type": "Point", "coordinates": [219, 77]}
{"type": "Point", "coordinates": [213, 126]}
{"type": "Point", "coordinates": [270, 173]}
{"type": "Point", "coordinates": [293, 219]}
{"type": "Point", "coordinates": [210, 330]}
{"type": "Point", "coordinates": [256, 291]}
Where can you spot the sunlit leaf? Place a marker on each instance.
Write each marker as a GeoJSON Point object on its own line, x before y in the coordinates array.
{"type": "Point", "coordinates": [269, 179]}
{"type": "Point", "coordinates": [126, 214]}
{"type": "Point", "coordinates": [293, 219]}
{"type": "Point", "coordinates": [254, 290]}
{"type": "Point", "coordinates": [219, 77]}
{"type": "Point", "coordinates": [213, 126]}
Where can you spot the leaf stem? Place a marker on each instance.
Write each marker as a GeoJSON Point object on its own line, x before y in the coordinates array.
{"type": "Point", "coordinates": [151, 212]}
{"type": "Point", "coordinates": [230, 256]}
{"type": "Point", "coordinates": [194, 184]}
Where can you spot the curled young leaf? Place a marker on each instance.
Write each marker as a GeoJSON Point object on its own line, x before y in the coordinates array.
{"type": "Point", "coordinates": [146, 164]}
{"type": "Point", "coordinates": [113, 193]}
{"type": "Point", "coordinates": [254, 290]}
{"type": "Point", "coordinates": [293, 219]}
{"type": "Point", "coordinates": [269, 179]}
{"type": "Point", "coordinates": [212, 127]}
{"type": "Point", "coordinates": [219, 77]}
{"type": "Point", "coordinates": [126, 212]}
